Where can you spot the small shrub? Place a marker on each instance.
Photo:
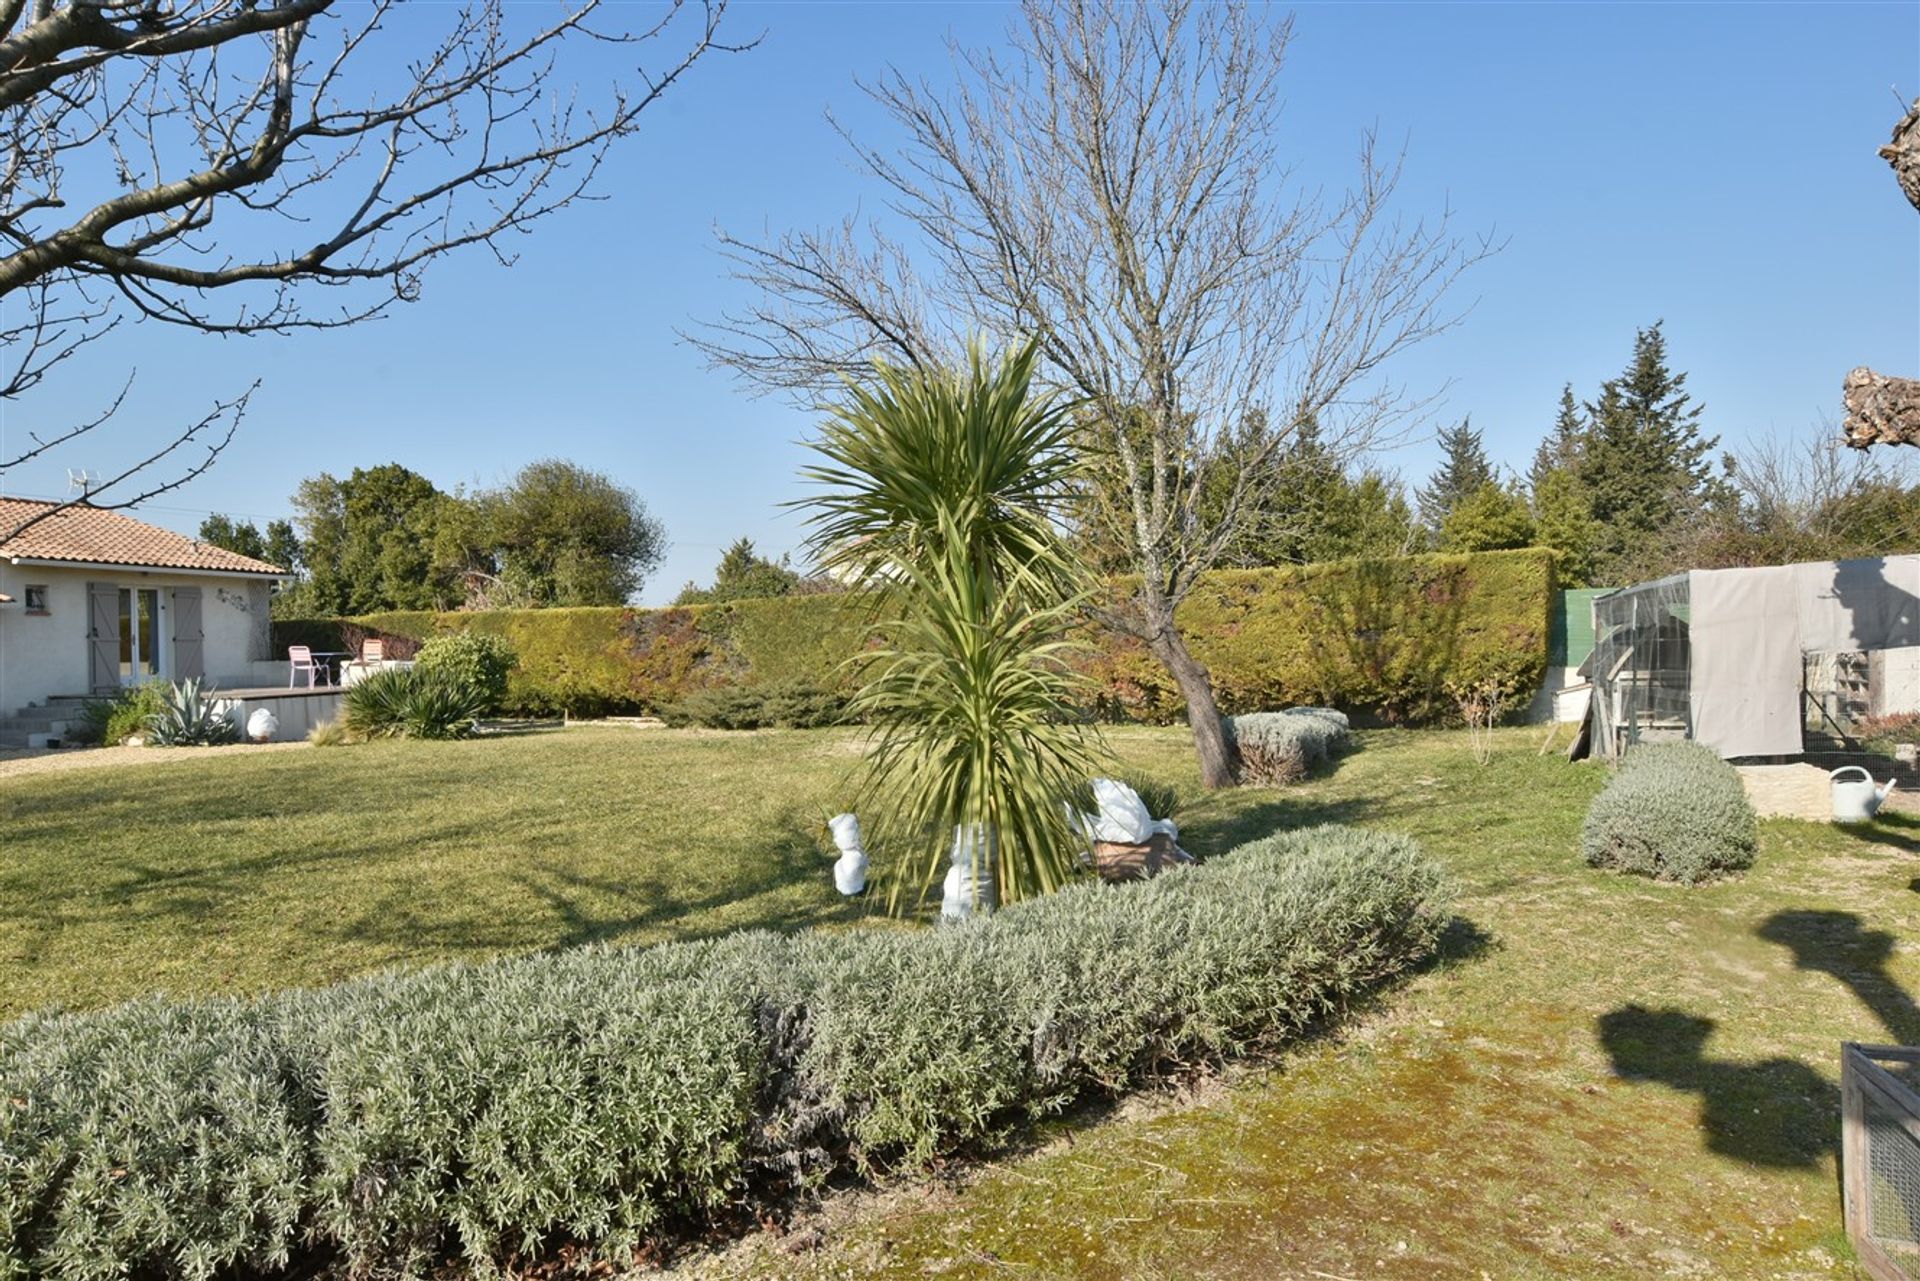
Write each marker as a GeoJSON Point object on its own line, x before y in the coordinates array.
{"type": "Point", "coordinates": [190, 717]}
{"type": "Point", "coordinates": [409, 703]}
{"type": "Point", "coordinates": [1884, 733]}
{"type": "Point", "coordinates": [1676, 812]}
{"type": "Point", "coordinates": [787, 705]}
{"type": "Point", "coordinates": [1282, 747]}
{"type": "Point", "coordinates": [1161, 799]}
{"type": "Point", "coordinates": [113, 720]}
{"type": "Point", "coordinates": [475, 661]}
{"type": "Point", "coordinates": [492, 1111]}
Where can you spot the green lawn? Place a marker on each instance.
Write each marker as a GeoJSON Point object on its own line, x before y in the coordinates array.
{"type": "Point", "coordinates": [1606, 1078]}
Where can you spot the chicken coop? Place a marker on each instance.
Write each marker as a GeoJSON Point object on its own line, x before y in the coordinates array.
{"type": "Point", "coordinates": [1750, 661]}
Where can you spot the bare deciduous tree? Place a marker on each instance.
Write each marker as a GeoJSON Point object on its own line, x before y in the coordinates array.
{"type": "Point", "coordinates": [1883, 409]}
{"type": "Point", "coordinates": [216, 164]}
{"type": "Point", "coordinates": [1115, 185]}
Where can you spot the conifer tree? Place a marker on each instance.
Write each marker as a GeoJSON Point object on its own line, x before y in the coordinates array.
{"type": "Point", "coordinates": [1564, 445]}
{"type": "Point", "coordinates": [1463, 470]}
{"type": "Point", "coordinates": [1563, 520]}
{"type": "Point", "coordinates": [1492, 518]}
{"type": "Point", "coordinates": [1646, 466]}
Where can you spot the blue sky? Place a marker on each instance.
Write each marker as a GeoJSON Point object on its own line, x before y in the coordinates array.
{"type": "Point", "coordinates": [1709, 164]}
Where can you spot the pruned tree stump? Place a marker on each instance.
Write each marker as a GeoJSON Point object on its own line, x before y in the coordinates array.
{"type": "Point", "coordinates": [1881, 410]}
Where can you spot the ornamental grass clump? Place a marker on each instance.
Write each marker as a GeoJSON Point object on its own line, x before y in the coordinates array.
{"type": "Point", "coordinates": [1675, 812]}
{"type": "Point", "coordinates": [480, 1115]}
{"type": "Point", "coordinates": [402, 702]}
{"type": "Point", "coordinates": [1283, 747]}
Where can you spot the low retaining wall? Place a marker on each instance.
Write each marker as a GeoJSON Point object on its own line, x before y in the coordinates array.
{"type": "Point", "coordinates": [297, 710]}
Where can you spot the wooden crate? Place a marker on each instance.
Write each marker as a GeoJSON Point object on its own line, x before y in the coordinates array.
{"type": "Point", "coordinates": [1880, 1157]}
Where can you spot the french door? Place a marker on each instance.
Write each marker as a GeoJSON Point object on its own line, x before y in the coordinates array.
{"type": "Point", "coordinates": [141, 653]}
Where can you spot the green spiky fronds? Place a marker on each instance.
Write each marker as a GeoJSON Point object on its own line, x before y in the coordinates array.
{"type": "Point", "coordinates": [941, 498]}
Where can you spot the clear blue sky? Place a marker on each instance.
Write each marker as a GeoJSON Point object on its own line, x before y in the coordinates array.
{"type": "Point", "coordinates": [1709, 164]}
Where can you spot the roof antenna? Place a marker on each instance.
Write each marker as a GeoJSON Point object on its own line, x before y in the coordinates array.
{"type": "Point", "coordinates": [80, 481]}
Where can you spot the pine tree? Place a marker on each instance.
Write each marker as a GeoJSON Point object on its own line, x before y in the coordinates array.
{"type": "Point", "coordinates": [743, 574]}
{"type": "Point", "coordinates": [1646, 466]}
{"type": "Point", "coordinates": [1463, 470]}
{"type": "Point", "coordinates": [1300, 493]}
{"type": "Point", "coordinates": [1564, 445]}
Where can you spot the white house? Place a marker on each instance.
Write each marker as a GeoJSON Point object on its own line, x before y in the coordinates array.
{"type": "Point", "coordinates": [92, 600]}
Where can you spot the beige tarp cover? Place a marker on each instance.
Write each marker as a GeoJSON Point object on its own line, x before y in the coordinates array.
{"type": "Point", "coordinates": [1749, 628]}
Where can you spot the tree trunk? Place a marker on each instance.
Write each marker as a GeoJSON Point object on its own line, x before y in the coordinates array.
{"type": "Point", "coordinates": [1218, 763]}
{"type": "Point", "coordinates": [1881, 410]}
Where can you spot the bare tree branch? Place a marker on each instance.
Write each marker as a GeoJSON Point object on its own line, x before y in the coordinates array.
{"type": "Point", "coordinates": [222, 164]}
{"type": "Point", "coordinates": [1115, 187]}
{"type": "Point", "coordinates": [212, 433]}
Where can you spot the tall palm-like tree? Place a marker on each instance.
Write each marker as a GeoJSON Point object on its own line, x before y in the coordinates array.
{"type": "Point", "coordinates": [941, 496]}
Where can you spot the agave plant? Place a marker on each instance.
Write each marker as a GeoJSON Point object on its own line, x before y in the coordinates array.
{"type": "Point", "coordinates": [941, 497]}
{"type": "Point", "coordinates": [190, 717]}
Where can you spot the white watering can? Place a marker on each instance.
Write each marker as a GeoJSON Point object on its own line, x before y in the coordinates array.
{"type": "Point", "coordinates": [1856, 797]}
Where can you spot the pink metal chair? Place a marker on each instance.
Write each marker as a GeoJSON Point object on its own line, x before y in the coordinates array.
{"type": "Point", "coordinates": [300, 659]}
{"type": "Point", "coordinates": [373, 650]}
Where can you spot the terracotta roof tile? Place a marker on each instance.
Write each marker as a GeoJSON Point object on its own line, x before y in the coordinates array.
{"type": "Point", "coordinates": [96, 536]}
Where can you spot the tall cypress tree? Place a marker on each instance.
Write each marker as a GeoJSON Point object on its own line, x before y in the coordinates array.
{"type": "Point", "coordinates": [1646, 466]}
{"type": "Point", "coordinates": [1463, 470]}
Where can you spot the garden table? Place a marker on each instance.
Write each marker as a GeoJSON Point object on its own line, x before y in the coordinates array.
{"type": "Point", "coordinates": [325, 658]}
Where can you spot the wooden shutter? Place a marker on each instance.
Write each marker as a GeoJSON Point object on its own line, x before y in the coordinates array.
{"type": "Point", "coordinates": [103, 637]}
{"type": "Point", "coordinates": [189, 649]}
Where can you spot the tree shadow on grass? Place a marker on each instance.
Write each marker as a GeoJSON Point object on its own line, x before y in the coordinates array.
{"type": "Point", "coordinates": [786, 886]}
{"type": "Point", "coordinates": [1776, 1112]}
{"type": "Point", "coordinates": [1888, 829]}
{"type": "Point", "coordinates": [1210, 834]}
{"type": "Point", "coordinates": [1834, 943]}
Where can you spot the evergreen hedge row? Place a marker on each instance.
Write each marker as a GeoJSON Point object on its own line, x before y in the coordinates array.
{"type": "Point", "coordinates": [499, 1110]}
{"type": "Point", "coordinates": [1399, 636]}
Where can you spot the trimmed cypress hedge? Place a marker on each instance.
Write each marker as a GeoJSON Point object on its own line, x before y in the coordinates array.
{"type": "Point", "coordinates": [1394, 636]}
{"type": "Point", "coordinates": [600, 1095]}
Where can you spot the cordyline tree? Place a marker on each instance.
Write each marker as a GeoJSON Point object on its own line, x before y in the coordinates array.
{"type": "Point", "coordinates": [225, 165]}
{"type": "Point", "coordinates": [1884, 409]}
{"type": "Point", "coordinates": [1114, 184]}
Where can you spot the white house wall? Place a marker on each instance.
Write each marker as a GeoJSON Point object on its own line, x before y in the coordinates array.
{"type": "Point", "coordinates": [42, 655]}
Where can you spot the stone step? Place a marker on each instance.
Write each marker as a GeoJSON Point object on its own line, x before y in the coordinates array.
{"type": "Point", "coordinates": [35, 724]}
